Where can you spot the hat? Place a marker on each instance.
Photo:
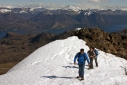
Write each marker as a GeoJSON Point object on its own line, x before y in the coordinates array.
{"type": "Point", "coordinates": [81, 49]}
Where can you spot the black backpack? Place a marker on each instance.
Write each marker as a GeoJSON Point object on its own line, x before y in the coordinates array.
{"type": "Point", "coordinates": [80, 54]}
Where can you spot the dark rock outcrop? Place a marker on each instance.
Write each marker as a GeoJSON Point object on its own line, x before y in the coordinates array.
{"type": "Point", "coordinates": [109, 42]}
{"type": "Point", "coordinates": [12, 35]}
{"type": "Point", "coordinates": [47, 37]}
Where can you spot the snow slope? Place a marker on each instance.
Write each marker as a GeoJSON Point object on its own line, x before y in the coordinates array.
{"type": "Point", "coordinates": [52, 64]}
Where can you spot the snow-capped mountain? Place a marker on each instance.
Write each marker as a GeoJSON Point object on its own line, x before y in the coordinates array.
{"type": "Point", "coordinates": [34, 9]}
{"type": "Point", "coordinates": [53, 64]}
{"type": "Point", "coordinates": [6, 9]}
{"type": "Point", "coordinates": [69, 7]}
{"type": "Point", "coordinates": [88, 13]}
{"type": "Point", "coordinates": [21, 9]}
{"type": "Point", "coordinates": [67, 17]}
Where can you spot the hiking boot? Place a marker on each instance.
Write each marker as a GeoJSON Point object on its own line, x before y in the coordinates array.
{"type": "Point", "coordinates": [82, 79]}
{"type": "Point", "coordinates": [90, 68]}
{"type": "Point", "coordinates": [78, 77]}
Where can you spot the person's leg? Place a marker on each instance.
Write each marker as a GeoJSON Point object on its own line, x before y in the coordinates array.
{"type": "Point", "coordinates": [96, 62]}
{"type": "Point", "coordinates": [80, 67]}
{"type": "Point", "coordinates": [91, 62]}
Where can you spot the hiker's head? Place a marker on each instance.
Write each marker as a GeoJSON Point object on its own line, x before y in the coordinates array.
{"type": "Point", "coordinates": [81, 51]}
{"type": "Point", "coordinates": [91, 49]}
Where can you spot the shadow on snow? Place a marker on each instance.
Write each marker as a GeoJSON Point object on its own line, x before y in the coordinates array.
{"type": "Point", "coordinates": [52, 77]}
{"type": "Point", "coordinates": [69, 66]}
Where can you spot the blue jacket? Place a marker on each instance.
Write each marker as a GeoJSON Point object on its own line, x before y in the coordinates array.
{"type": "Point", "coordinates": [81, 58]}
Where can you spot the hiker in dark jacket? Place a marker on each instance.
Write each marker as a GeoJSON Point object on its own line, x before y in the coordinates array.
{"type": "Point", "coordinates": [91, 55]}
{"type": "Point", "coordinates": [81, 57]}
{"type": "Point", "coordinates": [96, 56]}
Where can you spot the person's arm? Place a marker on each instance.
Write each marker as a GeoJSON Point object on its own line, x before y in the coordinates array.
{"type": "Point", "coordinates": [76, 56]}
{"type": "Point", "coordinates": [88, 53]}
{"type": "Point", "coordinates": [94, 54]}
{"type": "Point", "coordinates": [87, 58]}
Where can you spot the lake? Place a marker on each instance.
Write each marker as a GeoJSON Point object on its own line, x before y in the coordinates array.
{"type": "Point", "coordinates": [54, 31]}
{"type": "Point", "coordinates": [113, 28]}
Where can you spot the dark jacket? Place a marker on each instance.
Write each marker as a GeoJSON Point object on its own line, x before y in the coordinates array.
{"type": "Point", "coordinates": [91, 54]}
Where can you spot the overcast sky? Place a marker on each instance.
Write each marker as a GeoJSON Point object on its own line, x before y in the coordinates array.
{"type": "Point", "coordinates": [60, 3]}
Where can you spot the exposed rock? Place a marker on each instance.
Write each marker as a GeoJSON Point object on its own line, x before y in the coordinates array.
{"type": "Point", "coordinates": [109, 42]}
{"type": "Point", "coordinates": [47, 37]}
{"type": "Point", "coordinates": [12, 35]}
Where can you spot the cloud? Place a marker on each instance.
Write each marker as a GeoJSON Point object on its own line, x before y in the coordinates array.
{"type": "Point", "coordinates": [98, 0]}
{"type": "Point", "coordinates": [82, 1]}
{"type": "Point", "coordinates": [35, 0]}
{"type": "Point", "coordinates": [83, 4]}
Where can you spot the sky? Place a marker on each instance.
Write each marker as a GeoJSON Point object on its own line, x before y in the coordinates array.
{"type": "Point", "coordinates": [62, 3]}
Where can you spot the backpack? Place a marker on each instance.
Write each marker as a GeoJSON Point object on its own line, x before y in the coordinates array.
{"type": "Point", "coordinates": [80, 54]}
{"type": "Point", "coordinates": [96, 52]}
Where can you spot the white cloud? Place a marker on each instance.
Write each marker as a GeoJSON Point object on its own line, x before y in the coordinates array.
{"type": "Point", "coordinates": [97, 0]}
{"type": "Point", "coordinates": [80, 5]}
{"type": "Point", "coordinates": [82, 1]}
{"type": "Point", "coordinates": [43, 5]}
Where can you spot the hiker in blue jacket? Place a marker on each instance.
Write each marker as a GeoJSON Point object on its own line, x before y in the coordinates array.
{"type": "Point", "coordinates": [81, 57]}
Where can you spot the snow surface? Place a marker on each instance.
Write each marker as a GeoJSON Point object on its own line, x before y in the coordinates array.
{"type": "Point", "coordinates": [52, 64]}
{"type": "Point", "coordinates": [32, 9]}
{"type": "Point", "coordinates": [22, 11]}
{"type": "Point", "coordinates": [88, 13]}
{"type": "Point", "coordinates": [70, 7]}
{"type": "Point", "coordinates": [5, 10]}
{"type": "Point", "coordinates": [78, 29]}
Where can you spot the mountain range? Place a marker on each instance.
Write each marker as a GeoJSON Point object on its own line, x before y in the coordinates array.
{"type": "Point", "coordinates": [39, 18]}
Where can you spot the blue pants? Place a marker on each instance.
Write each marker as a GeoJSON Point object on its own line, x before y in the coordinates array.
{"type": "Point", "coordinates": [81, 70]}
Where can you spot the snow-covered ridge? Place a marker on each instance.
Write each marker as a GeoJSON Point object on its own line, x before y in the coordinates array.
{"type": "Point", "coordinates": [24, 9]}
{"type": "Point", "coordinates": [53, 64]}
{"type": "Point", "coordinates": [88, 13]}
{"type": "Point", "coordinates": [5, 10]}
{"type": "Point", "coordinates": [69, 7]}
